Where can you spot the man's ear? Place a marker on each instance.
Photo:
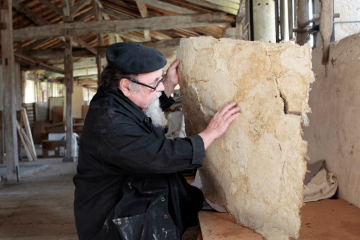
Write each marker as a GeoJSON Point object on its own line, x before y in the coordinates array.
{"type": "Point", "coordinates": [124, 86]}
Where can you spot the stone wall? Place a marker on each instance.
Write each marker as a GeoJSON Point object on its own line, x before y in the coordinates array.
{"type": "Point", "coordinates": [334, 131]}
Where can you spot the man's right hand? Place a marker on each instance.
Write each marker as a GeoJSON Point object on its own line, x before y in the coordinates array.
{"type": "Point", "coordinates": [219, 123]}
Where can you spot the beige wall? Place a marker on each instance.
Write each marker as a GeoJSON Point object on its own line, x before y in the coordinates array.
{"type": "Point", "coordinates": [349, 11]}
{"type": "Point", "coordinates": [334, 131]}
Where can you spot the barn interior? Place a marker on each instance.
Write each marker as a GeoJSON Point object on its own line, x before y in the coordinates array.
{"type": "Point", "coordinates": [53, 52]}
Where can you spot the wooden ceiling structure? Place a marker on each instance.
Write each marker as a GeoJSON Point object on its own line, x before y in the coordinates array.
{"type": "Point", "coordinates": [40, 26]}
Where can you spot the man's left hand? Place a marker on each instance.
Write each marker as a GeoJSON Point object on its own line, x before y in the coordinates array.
{"type": "Point", "coordinates": [171, 78]}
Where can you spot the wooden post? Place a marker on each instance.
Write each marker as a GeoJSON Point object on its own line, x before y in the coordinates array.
{"type": "Point", "coordinates": [100, 39]}
{"type": "Point", "coordinates": [36, 92]}
{"type": "Point", "coordinates": [302, 17]}
{"type": "Point", "coordinates": [98, 64]}
{"type": "Point", "coordinates": [69, 81]}
{"type": "Point", "coordinates": [8, 74]}
{"type": "Point", "coordinates": [23, 85]}
{"type": "Point", "coordinates": [1, 118]}
{"type": "Point", "coordinates": [18, 93]}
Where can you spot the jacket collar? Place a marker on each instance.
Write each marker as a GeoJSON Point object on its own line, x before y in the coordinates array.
{"type": "Point", "coordinates": [125, 102]}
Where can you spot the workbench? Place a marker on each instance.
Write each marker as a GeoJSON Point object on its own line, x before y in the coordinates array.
{"type": "Point", "coordinates": [331, 219]}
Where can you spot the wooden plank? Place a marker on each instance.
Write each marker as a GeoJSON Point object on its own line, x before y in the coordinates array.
{"type": "Point", "coordinates": [31, 15]}
{"type": "Point", "coordinates": [215, 5]}
{"type": "Point", "coordinates": [28, 131]}
{"type": "Point", "coordinates": [120, 26]}
{"type": "Point", "coordinates": [215, 225]}
{"type": "Point", "coordinates": [84, 44]}
{"type": "Point", "coordinates": [28, 144]}
{"type": "Point", "coordinates": [8, 63]}
{"type": "Point", "coordinates": [51, 6]}
{"type": "Point", "coordinates": [21, 136]}
{"type": "Point", "coordinates": [80, 6]}
{"type": "Point", "coordinates": [166, 6]}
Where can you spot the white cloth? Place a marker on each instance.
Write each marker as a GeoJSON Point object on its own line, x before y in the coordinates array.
{"type": "Point", "coordinates": [322, 186]}
{"type": "Point", "coordinates": [176, 125]}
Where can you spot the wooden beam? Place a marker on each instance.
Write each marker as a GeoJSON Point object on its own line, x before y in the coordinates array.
{"type": "Point", "coordinates": [114, 13]}
{"type": "Point", "coordinates": [163, 46]}
{"type": "Point", "coordinates": [144, 13]}
{"type": "Point", "coordinates": [225, 6]}
{"type": "Point", "coordinates": [18, 99]}
{"type": "Point", "coordinates": [30, 61]}
{"type": "Point", "coordinates": [66, 8]}
{"type": "Point", "coordinates": [31, 15]}
{"type": "Point", "coordinates": [1, 137]}
{"type": "Point", "coordinates": [120, 26]}
{"type": "Point", "coordinates": [166, 6]}
{"type": "Point", "coordinates": [84, 16]}
{"type": "Point", "coordinates": [16, 2]}
{"type": "Point", "coordinates": [111, 36]}
{"type": "Point", "coordinates": [1, 119]}
{"type": "Point", "coordinates": [302, 18]}
{"type": "Point", "coordinates": [133, 37]}
{"type": "Point", "coordinates": [84, 63]}
{"type": "Point", "coordinates": [84, 44]}
{"type": "Point", "coordinates": [8, 69]}
{"type": "Point", "coordinates": [77, 72]}
{"type": "Point", "coordinates": [98, 63]}
{"type": "Point", "coordinates": [51, 6]}
{"type": "Point", "coordinates": [69, 81]}
{"type": "Point", "coordinates": [80, 6]}
{"type": "Point", "coordinates": [34, 44]}
{"type": "Point", "coordinates": [23, 84]}
{"type": "Point", "coordinates": [326, 27]}
{"type": "Point", "coordinates": [98, 18]}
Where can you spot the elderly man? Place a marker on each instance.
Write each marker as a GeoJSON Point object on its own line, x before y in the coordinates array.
{"type": "Point", "coordinates": [128, 184]}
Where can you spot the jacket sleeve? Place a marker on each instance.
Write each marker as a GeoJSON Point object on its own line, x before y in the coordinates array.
{"type": "Point", "coordinates": [136, 150]}
{"type": "Point", "coordinates": [165, 102]}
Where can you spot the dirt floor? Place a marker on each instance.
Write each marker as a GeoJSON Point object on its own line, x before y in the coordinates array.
{"type": "Point", "coordinates": [40, 207]}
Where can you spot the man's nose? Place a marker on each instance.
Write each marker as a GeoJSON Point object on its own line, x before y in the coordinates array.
{"type": "Point", "coordinates": [161, 87]}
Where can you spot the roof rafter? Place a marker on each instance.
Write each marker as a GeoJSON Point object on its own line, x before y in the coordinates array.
{"type": "Point", "coordinates": [30, 14]}
{"type": "Point", "coordinates": [51, 6]}
{"type": "Point", "coordinates": [121, 26]}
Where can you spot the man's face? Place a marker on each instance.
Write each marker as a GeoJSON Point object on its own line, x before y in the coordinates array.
{"type": "Point", "coordinates": [143, 98]}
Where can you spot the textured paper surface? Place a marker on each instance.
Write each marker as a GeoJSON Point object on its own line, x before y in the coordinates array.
{"type": "Point", "coordinates": [256, 169]}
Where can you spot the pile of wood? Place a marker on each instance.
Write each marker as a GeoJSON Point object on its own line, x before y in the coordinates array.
{"type": "Point", "coordinates": [26, 136]}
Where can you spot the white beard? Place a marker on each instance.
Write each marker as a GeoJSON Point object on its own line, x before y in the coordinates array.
{"type": "Point", "coordinates": [154, 112]}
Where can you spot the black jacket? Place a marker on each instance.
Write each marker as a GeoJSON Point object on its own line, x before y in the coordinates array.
{"type": "Point", "coordinates": [128, 184]}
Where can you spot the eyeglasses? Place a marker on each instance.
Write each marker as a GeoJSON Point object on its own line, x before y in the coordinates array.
{"type": "Point", "coordinates": [136, 81]}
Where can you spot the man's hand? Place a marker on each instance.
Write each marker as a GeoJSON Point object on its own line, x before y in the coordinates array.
{"type": "Point", "coordinates": [219, 123]}
{"type": "Point", "coordinates": [171, 78]}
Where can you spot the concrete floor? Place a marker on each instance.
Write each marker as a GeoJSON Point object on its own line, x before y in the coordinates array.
{"type": "Point", "coordinates": [40, 206]}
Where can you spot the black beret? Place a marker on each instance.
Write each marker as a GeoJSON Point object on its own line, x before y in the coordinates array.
{"type": "Point", "coordinates": [134, 58]}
